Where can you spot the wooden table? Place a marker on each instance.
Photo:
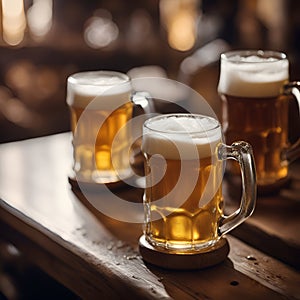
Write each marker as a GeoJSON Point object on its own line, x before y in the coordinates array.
{"type": "Point", "coordinates": [97, 257]}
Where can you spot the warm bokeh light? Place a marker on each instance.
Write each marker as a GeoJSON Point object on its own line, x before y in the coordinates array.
{"type": "Point", "coordinates": [100, 31]}
{"type": "Point", "coordinates": [39, 17]}
{"type": "Point", "coordinates": [182, 35]}
{"type": "Point", "coordinates": [13, 21]}
{"type": "Point", "coordinates": [179, 18]}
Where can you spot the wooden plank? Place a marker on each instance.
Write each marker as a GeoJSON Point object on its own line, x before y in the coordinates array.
{"type": "Point", "coordinates": [274, 226]}
{"type": "Point", "coordinates": [112, 267]}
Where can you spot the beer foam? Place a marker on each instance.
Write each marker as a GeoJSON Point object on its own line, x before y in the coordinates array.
{"type": "Point", "coordinates": [182, 137]}
{"type": "Point", "coordinates": [252, 76]}
{"type": "Point", "coordinates": [98, 89]}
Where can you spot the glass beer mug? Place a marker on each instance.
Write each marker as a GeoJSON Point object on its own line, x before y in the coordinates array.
{"type": "Point", "coordinates": [183, 200]}
{"type": "Point", "coordinates": [101, 104]}
{"type": "Point", "coordinates": [255, 91]}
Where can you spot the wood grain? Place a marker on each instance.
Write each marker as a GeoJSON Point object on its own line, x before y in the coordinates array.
{"type": "Point", "coordinates": [274, 226]}
{"type": "Point", "coordinates": [95, 255]}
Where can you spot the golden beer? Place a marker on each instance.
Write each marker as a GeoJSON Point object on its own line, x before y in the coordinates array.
{"type": "Point", "coordinates": [100, 108]}
{"type": "Point", "coordinates": [255, 110]}
{"type": "Point", "coordinates": [179, 220]}
{"type": "Point", "coordinates": [187, 226]}
{"type": "Point", "coordinates": [263, 122]}
{"type": "Point", "coordinates": [183, 200]}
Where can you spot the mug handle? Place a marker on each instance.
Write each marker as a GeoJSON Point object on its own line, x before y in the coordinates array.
{"type": "Point", "coordinates": [293, 88]}
{"type": "Point", "coordinates": [242, 152]}
{"type": "Point", "coordinates": [144, 100]}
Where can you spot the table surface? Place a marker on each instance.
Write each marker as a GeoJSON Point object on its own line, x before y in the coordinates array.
{"type": "Point", "coordinates": [94, 255]}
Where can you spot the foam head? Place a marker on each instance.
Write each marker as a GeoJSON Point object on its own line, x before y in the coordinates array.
{"type": "Point", "coordinates": [253, 73]}
{"type": "Point", "coordinates": [98, 89]}
{"type": "Point", "coordinates": [181, 136]}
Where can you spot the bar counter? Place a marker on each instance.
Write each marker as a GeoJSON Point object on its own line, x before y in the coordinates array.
{"type": "Point", "coordinates": [97, 257]}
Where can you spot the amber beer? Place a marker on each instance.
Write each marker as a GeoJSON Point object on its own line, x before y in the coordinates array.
{"type": "Point", "coordinates": [100, 106]}
{"type": "Point", "coordinates": [175, 222]}
{"type": "Point", "coordinates": [255, 110]}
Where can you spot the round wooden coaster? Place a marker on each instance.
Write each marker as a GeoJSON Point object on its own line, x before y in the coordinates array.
{"type": "Point", "coordinates": [186, 261]}
{"type": "Point", "coordinates": [273, 188]}
{"type": "Point", "coordinates": [234, 186]}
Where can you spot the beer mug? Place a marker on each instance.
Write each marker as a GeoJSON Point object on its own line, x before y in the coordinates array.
{"type": "Point", "coordinates": [255, 91]}
{"type": "Point", "coordinates": [101, 105]}
{"type": "Point", "coordinates": [184, 165]}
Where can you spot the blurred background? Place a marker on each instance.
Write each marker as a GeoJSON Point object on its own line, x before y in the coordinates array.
{"type": "Point", "coordinates": [44, 41]}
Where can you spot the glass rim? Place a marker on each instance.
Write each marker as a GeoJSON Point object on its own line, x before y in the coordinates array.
{"type": "Point", "coordinates": [227, 56]}
{"type": "Point", "coordinates": [216, 126]}
{"type": "Point", "coordinates": [84, 78]}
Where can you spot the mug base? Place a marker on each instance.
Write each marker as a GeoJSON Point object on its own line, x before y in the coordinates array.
{"type": "Point", "coordinates": [263, 190]}
{"type": "Point", "coordinates": [184, 261]}
{"type": "Point", "coordinates": [104, 187]}
{"type": "Point", "coordinates": [273, 188]}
